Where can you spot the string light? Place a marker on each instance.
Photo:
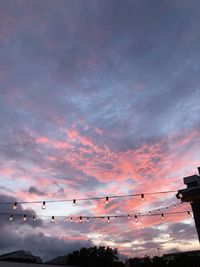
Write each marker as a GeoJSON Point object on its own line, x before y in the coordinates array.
{"type": "Point", "coordinates": [24, 218]}
{"type": "Point", "coordinates": [86, 199]}
{"type": "Point", "coordinates": [74, 202]}
{"type": "Point", "coordinates": [15, 206]}
{"type": "Point", "coordinates": [102, 219]}
{"type": "Point", "coordinates": [43, 205]}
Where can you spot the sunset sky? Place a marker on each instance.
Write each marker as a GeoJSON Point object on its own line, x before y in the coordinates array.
{"type": "Point", "coordinates": [97, 98]}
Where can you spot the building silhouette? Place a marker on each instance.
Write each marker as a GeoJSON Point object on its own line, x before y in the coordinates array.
{"type": "Point", "coordinates": [191, 194]}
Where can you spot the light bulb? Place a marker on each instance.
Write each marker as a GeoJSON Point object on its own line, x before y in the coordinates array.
{"type": "Point", "coordinates": [52, 219]}
{"type": "Point", "coordinates": [163, 217]}
{"type": "Point", "coordinates": [34, 218]}
{"type": "Point", "coordinates": [189, 214]}
{"type": "Point", "coordinates": [15, 206]}
{"type": "Point", "coordinates": [71, 219]}
{"type": "Point", "coordinates": [80, 219]}
{"type": "Point", "coordinates": [107, 200]}
{"type": "Point", "coordinates": [108, 219]}
{"type": "Point", "coordinates": [24, 218]}
{"type": "Point", "coordinates": [128, 216]}
{"type": "Point", "coordinates": [142, 197]}
{"type": "Point", "coordinates": [74, 202]}
{"type": "Point", "coordinates": [11, 217]}
{"type": "Point", "coordinates": [43, 205]}
{"type": "Point", "coordinates": [136, 218]}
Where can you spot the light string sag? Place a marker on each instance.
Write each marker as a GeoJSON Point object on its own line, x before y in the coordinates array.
{"type": "Point", "coordinates": [154, 212]}
{"type": "Point", "coordinates": [74, 201]}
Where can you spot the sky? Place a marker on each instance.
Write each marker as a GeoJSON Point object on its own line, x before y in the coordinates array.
{"type": "Point", "coordinates": [98, 98]}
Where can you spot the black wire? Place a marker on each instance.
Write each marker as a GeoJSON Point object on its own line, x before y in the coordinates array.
{"type": "Point", "coordinates": [86, 199]}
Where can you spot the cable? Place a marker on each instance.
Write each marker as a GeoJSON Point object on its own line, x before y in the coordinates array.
{"type": "Point", "coordinates": [140, 213]}
{"type": "Point", "coordinates": [85, 199]}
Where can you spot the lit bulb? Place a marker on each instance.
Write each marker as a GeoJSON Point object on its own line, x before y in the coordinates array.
{"type": "Point", "coordinates": [74, 202]}
{"type": "Point", "coordinates": [11, 217]}
{"type": "Point", "coordinates": [80, 219]}
{"type": "Point", "coordinates": [163, 217]}
{"type": "Point", "coordinates": [52, 219]}
{"type": "Point", "coordinates": [34, 218]}
{"type": "Point", "coordinates": [71, 219]}
{"type": "Point", "coordinates": [189, 214]}
{"type": "Point", "coordinates": [136, 218]}
{"type": "Point", "coordinates": [108, 219]}
{"type": "Point", "coordinates": [106, 200]}
{"type": "Point", "coordinates": [180, 195]}
{"type": "Point", "coordinates": [88, 219]}
{"type": "Point", "coordinates": [43, 205]}
{"type": "Point", "coordinates": [24, 218]}
{"type": "Point", "coordinates": [128, 216]}
{"type": "Point", "coordinates": [15, 206]}
{"type": "Point", "coordinates": [102, 218]}
{"type": "Point", "coordinates": [142, 197]}
{"type": "Point", "coordinates": [116, 218]}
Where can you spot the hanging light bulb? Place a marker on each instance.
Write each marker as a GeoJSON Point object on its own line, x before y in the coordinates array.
{"type": "Point", "coordinates": [71, 219]}
{"type": "Point", "coordinates": [34, 218]}
{"type": "Point", "coordinates": [102, 219]}
{"type": "Point", "coordinates": [43, 205]}
{"type": "Point", "coordinates": [162, 216]}
{"type": "Point", "coordinates": [149, 212]}
{"type": "Point", "coordinates": [189, 214]}
{"type": "Point", "coordinates": [11, 217]}
{"type": "Point", "coordinates": [179, 195]}
{"type": "Point", "coordinates": [80, 219]}
{"type": "Point", "coordinates": [142, 197]}
{"type": "Point", "coordinates": [116, 218]}
{"type": "Point", "coordinates": [24, 218]}
{"type": "Point", "coordinates": [88, 219]}
{"type": "Point", "coordinates": [52, 219]}
{"type": "Point", "coordinates": [128, 216]}
{"type": "Point", "coordinates": [15, 206]}
{"type": "Point", "coordinates": [136, 218]}
{"type": "Point", "coordinates": [74, 202]}
{"type": "Point", "coordinates": [108, 219]}
{"type": "Point", "coordinates": [107, 200]}
{"type": "Point", "coordinates": [159, 210]}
